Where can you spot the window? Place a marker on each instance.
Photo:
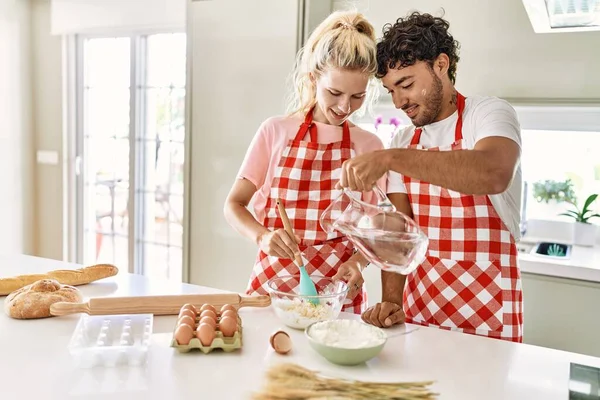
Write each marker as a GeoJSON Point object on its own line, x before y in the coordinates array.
{"type": "Point", "coordinates": [559, 142]}
{"type": "Point", "coordinates": [385, 125]}
{"type": "Point", "coordinates": [560, 156]}
{"type": "Point", "coordinates": [130, 139]}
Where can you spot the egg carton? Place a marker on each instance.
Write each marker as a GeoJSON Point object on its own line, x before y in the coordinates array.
{"type": "Point", "coordinates": [226, 344]}
{"type": "Point", "coordinates": [110, 340]}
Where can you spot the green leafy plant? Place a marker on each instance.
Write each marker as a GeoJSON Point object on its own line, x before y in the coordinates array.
{"type": "Point", "coordinates": [554, 190]}
{"type": "Point", "coordinates": [555, 250]}
{"type": "Point", "coordinates": [585, 213]}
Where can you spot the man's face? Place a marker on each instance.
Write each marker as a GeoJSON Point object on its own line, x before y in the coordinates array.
{"type": "Point", "coordinates": [417, 90]}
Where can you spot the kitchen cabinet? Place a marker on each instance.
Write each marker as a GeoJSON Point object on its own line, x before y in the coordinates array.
{"type": "Point", "coordinates": [562, 313]}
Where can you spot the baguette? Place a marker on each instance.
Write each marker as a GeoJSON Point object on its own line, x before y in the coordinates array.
{"type": "Point", "coordinates": [73, 277]}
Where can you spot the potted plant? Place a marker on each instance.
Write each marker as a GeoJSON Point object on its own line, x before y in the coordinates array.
{"type": "Point", "coordinates": [558, 191]}
{"type": "Point", "coordinates": [584, 233]}
{"type": "Point", "coordinates": [552, 196]}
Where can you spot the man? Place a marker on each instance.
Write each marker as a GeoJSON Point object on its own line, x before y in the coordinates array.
{"type": "Point", "coordinates": [456, 173]}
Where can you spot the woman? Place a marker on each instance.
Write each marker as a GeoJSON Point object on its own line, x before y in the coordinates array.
{"type": "Point", "coordinates": [298, 159]}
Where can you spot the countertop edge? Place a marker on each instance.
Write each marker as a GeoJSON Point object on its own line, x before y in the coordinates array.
{"type": "Point", "coordinates": [557, 270]}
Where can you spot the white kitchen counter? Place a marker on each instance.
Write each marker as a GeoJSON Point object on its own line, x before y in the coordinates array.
{"type": "Point", "coordinates": [583, 263]}
{"type": "Point", "coordinates": [35, 362]}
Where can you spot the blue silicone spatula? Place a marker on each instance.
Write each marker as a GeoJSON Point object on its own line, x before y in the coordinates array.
{"type": "Point", "coordinates": [307, 286]}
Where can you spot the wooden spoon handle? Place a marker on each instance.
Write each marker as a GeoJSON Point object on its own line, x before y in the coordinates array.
{"type": "Point", "coordinates": [288, 228]}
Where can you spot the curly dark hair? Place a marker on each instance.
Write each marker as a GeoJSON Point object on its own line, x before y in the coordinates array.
{"type": "Point", "coordinates": [417, 37]}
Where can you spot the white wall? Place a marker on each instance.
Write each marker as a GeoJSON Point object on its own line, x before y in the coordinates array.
{"type": "Point", "coordinates": [17, 211]}
{"type": "Point", "coordinates": [241, 85]}
{"type": "Point", "coordinates": [500, 53]}
{"type": "Point", "coordinates": [46, 56]}
{"type": "Point", "coordinates": [98, 16]}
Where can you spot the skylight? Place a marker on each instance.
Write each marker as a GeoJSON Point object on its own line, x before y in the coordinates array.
{"type": "Point", "coordinates": [563, 15]}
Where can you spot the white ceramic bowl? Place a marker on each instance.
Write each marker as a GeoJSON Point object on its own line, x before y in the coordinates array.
{"type": "Point", "coordinates": [346, 341]}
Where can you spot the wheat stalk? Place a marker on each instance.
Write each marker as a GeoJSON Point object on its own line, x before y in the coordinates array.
{"type": "Point", "coordinates": [292, 382]}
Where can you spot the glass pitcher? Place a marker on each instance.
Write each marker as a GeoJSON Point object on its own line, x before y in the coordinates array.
{"type": "Point", "coordinates": [386, 237]}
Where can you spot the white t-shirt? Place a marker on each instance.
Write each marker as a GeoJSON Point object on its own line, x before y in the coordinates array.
{"type": "Point", "coordinates": [482, 117]}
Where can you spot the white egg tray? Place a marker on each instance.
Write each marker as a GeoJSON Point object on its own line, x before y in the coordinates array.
{"type": "Point", "coordinates": [110, 340]}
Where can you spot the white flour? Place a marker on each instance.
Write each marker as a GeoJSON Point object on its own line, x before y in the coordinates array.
{"type": "Point", "coordinates": [347, 334]}
{"type": "Point", "coordinates": [299, 314]}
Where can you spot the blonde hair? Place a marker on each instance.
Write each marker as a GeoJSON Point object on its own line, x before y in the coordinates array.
{"type": "Point", "coordinates": [345, 40]}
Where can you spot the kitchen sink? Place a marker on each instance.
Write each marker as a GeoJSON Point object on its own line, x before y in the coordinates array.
{"type": "Point", "coordinates": [552, 249]}
{"type": "Point", "coordinates": [584, 382]}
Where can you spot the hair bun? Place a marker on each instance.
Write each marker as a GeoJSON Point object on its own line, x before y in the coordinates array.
{"type": "Point", "coordinates": [345, 25]}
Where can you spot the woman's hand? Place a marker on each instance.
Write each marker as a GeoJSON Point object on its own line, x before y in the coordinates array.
{"type": "Point", "coordinates": [278, 244]}
{"type": "Point", "coordinates": [350, 272]}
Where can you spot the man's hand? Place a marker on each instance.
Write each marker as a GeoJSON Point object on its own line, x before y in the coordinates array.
{"type": "Point", "coordinates": [384, 315]}
{"type": "Point", "coordinates": [350, 272]}
{"type": "Point", "coordinates": [362, 172]}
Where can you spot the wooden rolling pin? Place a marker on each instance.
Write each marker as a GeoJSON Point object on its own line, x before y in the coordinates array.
{"type": "Point", "coordinates": [157, 305]}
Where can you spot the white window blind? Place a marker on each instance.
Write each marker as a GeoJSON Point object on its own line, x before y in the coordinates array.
{"type": "Point", "coordinates": [96, 16]}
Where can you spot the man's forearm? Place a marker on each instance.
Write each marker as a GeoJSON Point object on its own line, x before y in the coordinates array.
{"type": "Point", "coordinates": [392, 287]}
{"type": "Point", "coordinates": [464, 171]}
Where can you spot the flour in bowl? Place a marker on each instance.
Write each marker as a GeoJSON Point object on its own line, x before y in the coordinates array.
{"type": "Point", "coordinates": [299, 314]}
{"type": "Point", "coordinates": [347, 334]}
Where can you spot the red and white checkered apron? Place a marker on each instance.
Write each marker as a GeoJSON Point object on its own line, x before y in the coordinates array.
{"type": "Point", "coordinates": [305, 181]}
{"type": "Point", "coordinates": [470, 281]}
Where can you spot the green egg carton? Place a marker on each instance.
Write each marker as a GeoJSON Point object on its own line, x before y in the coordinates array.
{"type": "Point", "coordinates": [226, 344]}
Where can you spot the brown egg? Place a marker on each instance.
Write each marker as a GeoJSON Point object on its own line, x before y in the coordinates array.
{"type": "Point", "coordinates": [208, 320]}
{"type": "Point", "coordinates": [228, 307]}
{"type": "Point", "coordinates": [189, 312]}
{"type": "Point", "coordinates": [206, 334]}
{"type": "Point", "coordinates": [208, 313]}
{"type": "Point", "coordinates": [228, 326]}
{"type": "Point", "coordinates": [189, 306]}
{"type": "Point", "coordinates": [208, 307]}
{"type": "Point", "coordinates": [187, 320]}
{"type": "Point", "coordinates": [183, 334]}
{"type": "Point", "coordinates": [281, 342]}
{"type": "Point", "coordinates": [229, 313]}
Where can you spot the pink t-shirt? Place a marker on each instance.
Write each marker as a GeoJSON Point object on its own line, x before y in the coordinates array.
{"type": "Point", "coordinates": [271, 139]}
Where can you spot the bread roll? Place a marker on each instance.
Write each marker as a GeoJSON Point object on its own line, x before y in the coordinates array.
{"type": "Point", "coordinates": [34, 301]}
{"type": "Point", "coordinates": [72, 277]}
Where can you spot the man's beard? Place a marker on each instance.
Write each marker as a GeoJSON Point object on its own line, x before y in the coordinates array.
{"type": "Point", "coordinates": [432, 103]}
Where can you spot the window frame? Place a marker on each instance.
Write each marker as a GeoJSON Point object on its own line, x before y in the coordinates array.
{"type": "Point", "coordinates": [574, 116]}
{"type": "Point", "coordinates": [567, 116]}
{"type": "Point", "coordinates": [73, 143]}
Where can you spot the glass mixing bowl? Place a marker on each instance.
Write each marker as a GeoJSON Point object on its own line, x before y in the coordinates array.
{"type": "Point", "coordinates": [388, 238]}
{"type": "Point", "coordinates": [298, 311]}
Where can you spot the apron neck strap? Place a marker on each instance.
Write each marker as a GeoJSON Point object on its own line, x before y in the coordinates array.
{"type": "Point", "coordinates": [308, 126]}
{"type": "Point", "coordinates": [460, 105]}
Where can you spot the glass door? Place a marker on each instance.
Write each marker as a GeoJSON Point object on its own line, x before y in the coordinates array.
{"type": "Point", "coordinates": [131, 96]}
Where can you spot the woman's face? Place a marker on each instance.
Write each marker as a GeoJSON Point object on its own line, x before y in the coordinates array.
{"type": "Point", "coordinates": [339, 93]}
